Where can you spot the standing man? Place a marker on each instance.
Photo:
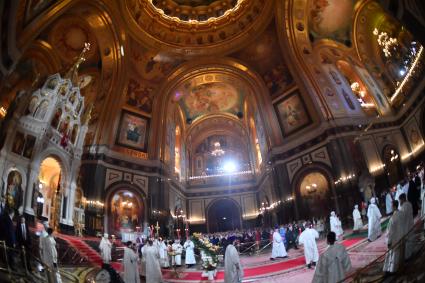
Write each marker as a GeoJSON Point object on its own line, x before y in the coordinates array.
{"type": "Point", "coordinates": [49, 255]}
{"type": "Point", "coordinates": [153, 269]}
{"type": "Point", "coordinates": [8, 233]}
{"type": "Point", "coordinates": [333, 264]}
{"type": "Point", "coordinates": [358, 223]}
{"type": "Point", "coordinates": [278, 250]}
{"type": "Point", "coordinates": [413, 195]}
{"type": "Point", "coordinates": [308, 239]}
{"type": "Point", "coordinates": [189, 247]}
{"type": "Point", "coordinates": [291, 238]}
{"type": "Point", "coordinates": [233, 272]}
{"type": "Point", "coordinates": [389, 202]}
{"type": "Point", "coordinates": [395, 232]}
{"type": "Point", "coordinates": [335, 225]}
{"type": "Point", "coordinates": [163, 253]}
{"type": "Point", "coordinates": [374, 221]}
{"type": "Point", "coordinates": [23, 239]}
{"type": "Point", "coordinates": [131, 268]}
{"type": "Point", "coordinates": [105, 249]}
{"type": "Point", "coordinates": [407, 216]}
{"type": "Point", "coordinates": [177, 249]}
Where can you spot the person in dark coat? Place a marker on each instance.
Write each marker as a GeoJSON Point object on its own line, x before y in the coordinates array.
{"type": "Point", "coordinates": [413, 196]}
{"type": "Point", "coordinates": [23, 240]}
{"type": "Point", "coordinates": [291, 238]}
{"type": "Point", "coordinates": [7, 229]}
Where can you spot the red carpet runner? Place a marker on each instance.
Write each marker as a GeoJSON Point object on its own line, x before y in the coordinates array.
{"type": "Point", "coordinates": [260, 271]}
{"type": "Point", "coordinates": [86, 251]}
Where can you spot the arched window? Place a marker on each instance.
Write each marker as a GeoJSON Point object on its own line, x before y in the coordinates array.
{"type": "Point", "coordinates": [56, 118]}
{"type": "Point", "coordinates": [31, 106]}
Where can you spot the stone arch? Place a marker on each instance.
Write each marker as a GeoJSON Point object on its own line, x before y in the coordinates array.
{"type": "Point", "coordinates": [391, 158]}
{"type": "Point", "coordinates": [301, 207]}
{"type": "Point", "coordinates": [120, 187]}
{"type": "Point", "coordinates": [224, 66]}
{"type": "Point", "coordinates": [236, 209]}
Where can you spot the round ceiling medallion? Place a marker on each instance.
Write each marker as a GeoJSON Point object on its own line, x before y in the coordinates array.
{"type": "Point", "coordinates": [196, 27]}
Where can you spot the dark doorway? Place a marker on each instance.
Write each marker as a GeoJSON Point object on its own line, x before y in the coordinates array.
{"type": "Point", "coordinates": [223, 215]}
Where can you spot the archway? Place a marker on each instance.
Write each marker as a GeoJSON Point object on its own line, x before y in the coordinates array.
{"type": "Point", "coordinates": [313, 195]}
{"type": "Point", "coordinates": [393, 168]}
{"type": "Point", "coordinates": [223, 215]}
{"type": "Point", "coordinates": [126, 212]}
{"type": "Point", "coordinates": [49, 194]}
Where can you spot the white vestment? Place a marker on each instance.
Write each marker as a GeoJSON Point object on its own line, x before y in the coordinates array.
{"type": "Point", "coordinates": [163, 255]}
{"type": "Point", "coordinates": [388, 204]}
{"type": "Point", "coordinates": [398, 193]}
{"type": "Point", "coordinates": [131, 268]}
{"type": "Point", "coordinates": [105, 250]}
{"type": "Point", "coordinates": [153, 269]}
{"type": "Point", "coordinates": [333, 265]}
{"type": "Point", "coordinates": [308, 239]}
{"type": "Point", "coordinates": [190, 252]}
{"type": "Point", "coordinates": [49, 254]}
{"type": "Point", "coordinates": [374, 222]}
{"type": "Point", "coordinates": [177, 249]}
{"type": "Point", "coordinates": [358, 223]}
{"type": "Point", "coordinates": [278, 246]}
{"type": "Point", "coordinates": [233, 272]}
{"type": "Point", "coordinates": [335, 225]}
{"type": "Point", "coordinates": [407, 216]}
{"type": "Point", "coordinates": [393, 258]}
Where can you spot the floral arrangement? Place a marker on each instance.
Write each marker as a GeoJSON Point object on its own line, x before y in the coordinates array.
{"type": "Point", "coordinates": [210, 251]}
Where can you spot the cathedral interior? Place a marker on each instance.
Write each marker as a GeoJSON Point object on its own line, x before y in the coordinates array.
{"type": "Point", "coordinates": [206, 115]}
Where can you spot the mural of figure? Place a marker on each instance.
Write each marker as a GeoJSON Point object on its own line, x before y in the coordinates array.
{"type": "Point", "coordinates": [14, 193]}
{"type": "Point", "coordinates": [291, 115]}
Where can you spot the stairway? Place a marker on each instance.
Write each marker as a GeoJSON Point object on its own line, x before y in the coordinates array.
{"type": "Point", "coordinates": [86, 251]}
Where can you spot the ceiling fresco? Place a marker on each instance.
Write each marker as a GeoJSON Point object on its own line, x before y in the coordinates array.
{"type": "Point", "coordinates": [331, 19]}
{"type": "Point", "coordinates": [264, 55]}
{"type": "Point", "coordinates": [199, 97]}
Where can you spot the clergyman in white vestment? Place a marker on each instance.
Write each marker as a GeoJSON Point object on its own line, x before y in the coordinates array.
{"type": "Point", "coordinates": [233, 272]}
{"type": "Point", "coordinates": [388, 203]}
{"type": "Point", "coordinates": [163, 254]}
{"type": "Point", "coordinates": [177, 249]}
{"type": "Point", "coordinates": [308, 240]}
{"type": "Point", "coordinates": [131, 267]}
{"type": "Point", "coordinates": [374, 221]}
{"type": "Point", "coordinates": [357, 218]}
{"type": "Point", "coordinates": [105, 249]}
{"type": "Point", "coordinates": [333, 264]}
{"type": "Point", "coordinates": [394, 257]}
{"type": "Point", "coordinates": [189, 247]}
{"type": "Point", "coordinates": [153, 269]}
{"type": "Point", "coordinates": [278, 250]}
{"type": "Point", "coordinates": [335, 225]}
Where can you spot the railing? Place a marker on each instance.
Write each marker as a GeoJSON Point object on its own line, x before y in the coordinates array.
{"type": "Point", "coordinates": [373, 272]}
{"type": "Point", "coordinates": [15, 271]}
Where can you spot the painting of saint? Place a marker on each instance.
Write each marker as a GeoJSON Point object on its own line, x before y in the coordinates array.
{"type": "Point", "coordinates": [292, 113]}
{"type": "Point", "coordinates": [133, 131]}
{"type": "Point", "coordinates": [414, 135]}
{"type": "Point", "coordinates": [14, 193]}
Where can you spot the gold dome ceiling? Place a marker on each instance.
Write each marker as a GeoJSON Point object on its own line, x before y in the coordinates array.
{"type": "Point", "coordinates": [218, 28]}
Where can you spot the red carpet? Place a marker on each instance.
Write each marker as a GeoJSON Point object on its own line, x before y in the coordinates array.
{"type": "Point", "coordinates": [259, 271]}
{"type": "Point", "coordinates": [86, 251]}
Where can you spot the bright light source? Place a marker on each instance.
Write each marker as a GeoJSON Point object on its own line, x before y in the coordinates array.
{"type": "Point", "coordinates": [229, 166]}
{"type": "Point", "coordinates": [402, 72]}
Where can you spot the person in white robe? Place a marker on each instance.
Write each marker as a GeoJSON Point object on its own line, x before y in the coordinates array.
{"type": "Point", "coordinates": [374, 221]}
{"type": "Point", "coordinates": [49, 256]}
{"type": "Point", "coordinates": [406, 210]}
{"type": "Point", "coordinates": [177, 249]}
{"type": "Point", "coordinates": [278, 250]}
{"type": "Point", "coordinates": [308, 240]}
{"type": "Point", "coordinates": [357, 218]}
{"type": "Point", "coordinates": [398, 192]}
{"type": "Point", "coordinates": [153, 269]}
{"type": "Point", "coordinates": [333, 264]}
{"type": "Point", "coordinates": [105, 249]}
{"type": "Point", "coordinates": [163, 254]}
{"type": "Point", "coordinates": [388, 203]}
{"type": "Point", "coordinates": [341, 231]}
{"type": "Point", "coordinates": [131, 267]}
{"type": "Point", "coordinates": [142, 270]}
{"type": "Point", "coordinates": [335, 225]}
{"type": "Point", "coordinates": [233, 271]}
{"type": "Point", "coordinates": [189, 247]}
{"type": "Point", "coordinates": [394, 257]}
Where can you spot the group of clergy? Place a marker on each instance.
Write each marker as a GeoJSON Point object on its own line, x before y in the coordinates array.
{"type": "Point", "coordinates": [151, 256]}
